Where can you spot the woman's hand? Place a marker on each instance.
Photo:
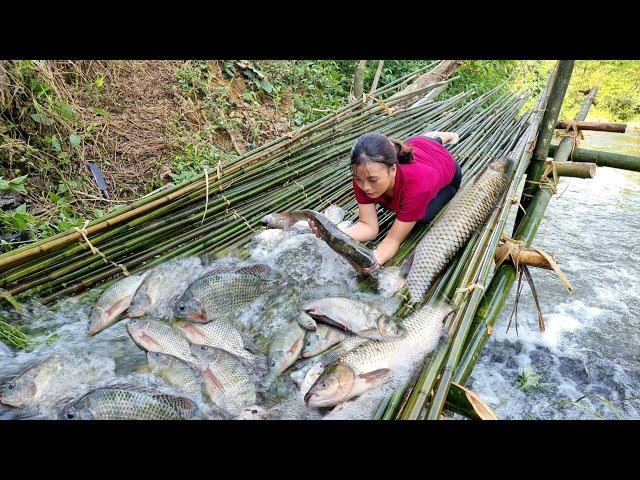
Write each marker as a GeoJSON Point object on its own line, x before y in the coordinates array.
{"type": "Point", "coordinates": [364, 270]}
{"type": "Point", "coordinates": [314, 229]}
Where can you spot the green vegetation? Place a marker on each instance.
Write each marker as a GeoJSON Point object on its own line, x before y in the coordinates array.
{"type": "Point", "coordinates": [149, 123]}
{"type": "Point", "coordinates": [529, 379]}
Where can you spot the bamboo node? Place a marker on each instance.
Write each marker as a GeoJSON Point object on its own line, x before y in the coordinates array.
{"type": "Point", "coordinates": [470, 288]}
{"type": "Point", "coordinates": [516, 200]}
{"type": "Point", "coordinates": [552, 183]}
{"type": "Point", "coordinates": [574, 133]}
{"type": "Point", "coordinates": [303, 190]}
{"type": "Point", "coordinates": [206, 198]}
{"type": "Point", "coordinates": [379, 102]}
{"type": "Point", "coordinates": [237, 215]}
{"type": "Point", "coordinates": [95, 251]}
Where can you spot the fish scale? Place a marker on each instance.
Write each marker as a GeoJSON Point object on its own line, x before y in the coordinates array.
{"type": "Point", "coordinates": [222, 293]}
{"type": "Point", "coordinates": [129, 402]}
{"type": "Point", "coordinates": [227, 381]}
{"type": "Point", "coordinates": [423, 330]}
{"type": "Point", "coordinates": [113, 301]}
{"type": "Point", "coordinates": [173, 371]}
{"type": "Point", "coordinates": [157, 336]}
{"type": "Point", "coordinates": [465, 214]}
{"type": "Point", "coordinates": [218, 333]}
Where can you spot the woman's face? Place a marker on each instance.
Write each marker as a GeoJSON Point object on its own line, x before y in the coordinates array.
{"type": "Point", "coordinates": [374, 178]}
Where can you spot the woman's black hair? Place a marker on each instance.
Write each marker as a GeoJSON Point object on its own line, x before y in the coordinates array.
{"type": "Point", "coordinates": [374, 147]}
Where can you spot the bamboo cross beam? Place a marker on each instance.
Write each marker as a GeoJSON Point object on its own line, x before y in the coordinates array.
{"type": "Point", "coordinates": [595, 126]}
{"type": "Point", "coordinates": [574, 169]}
{"type": "Point", "coordinates": [603, 159]}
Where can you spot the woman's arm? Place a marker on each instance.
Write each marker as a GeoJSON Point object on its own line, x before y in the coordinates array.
{"type": "Point", "coordinates": [391, 243]}
{"type": "Point", "coordinates": [366, 228]}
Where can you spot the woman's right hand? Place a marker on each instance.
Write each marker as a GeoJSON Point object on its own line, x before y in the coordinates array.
{"type": "Point", "coordinates": [314, 229]}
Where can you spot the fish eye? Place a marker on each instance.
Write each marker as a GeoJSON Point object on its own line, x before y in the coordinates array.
{"type": "Point", "coordinates": [70, 415]}
{"type": "Point", "coordinates": [181, 306]}
{"type": "Point", "coordinates": [11, 386]}
{"type": "Point", "coordinates": [202, 347]}
{"type": "Point", "coordinates": [254, 411]}
{"type": "Point", "coordinates": [323, 384]}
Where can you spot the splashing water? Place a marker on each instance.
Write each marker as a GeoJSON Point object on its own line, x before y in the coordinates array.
{"type": "Point", "coordinates": [588, 360]}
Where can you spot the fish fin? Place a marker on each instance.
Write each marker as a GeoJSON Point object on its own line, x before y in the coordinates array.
{"type": "Point", "coordinates": [257, 270]}
{"type": "Point", "coordinates": [408, 264]}
{"type": "Point", "coordinates": [326, 320]}
{"type": "Point", "coordinates": [375, 376]}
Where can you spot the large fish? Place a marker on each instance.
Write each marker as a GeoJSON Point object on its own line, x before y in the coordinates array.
{"type": "Point", "coordinates": [307, 375]}
{"type": "Point", "coordinates": [219, 294]}
{"type": "Point", "coordinates": [467, 211]}
{"type": "Point", "coordinates": [113, 302]}
{"type": "Point", "coordinates": [51, 378]}
{"type": "Point", "coordinates": [354, 316]}
{"type": "Point", "coordinates": [157, 336]}
{"type": "Point", "coordinates": [128, 402]}
{"type": "Point", "coordinates": [220, 334]}
{"type": "Point", "coordinates": [162, 286]}
{"type": "Point", "coordinates": [329, 231]}
{"type": "Point", "coordinates": [340, 242]}
{"type": "Point", "coordinates": [228, 382]}
{"type": "Point", "coordinates": [370, 364]}
{"type": "Point", "coordinates": [285, 347]}
{"type": "Point", "coordinates": [286, 220]}
{"type": "Point", "coordinates": [173, 371]}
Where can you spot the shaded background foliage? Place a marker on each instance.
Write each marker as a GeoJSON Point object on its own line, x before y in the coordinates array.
{"type": "Point", "coordinates": [149, 123]}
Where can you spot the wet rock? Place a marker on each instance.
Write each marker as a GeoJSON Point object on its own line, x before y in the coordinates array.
{"type": "Point", "coordinates": [573, 368]}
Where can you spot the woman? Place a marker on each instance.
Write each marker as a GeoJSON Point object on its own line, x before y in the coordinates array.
{"type": "Point", "coordinates": [414, 179]}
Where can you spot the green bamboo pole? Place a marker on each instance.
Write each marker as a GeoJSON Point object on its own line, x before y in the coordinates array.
{"type": "Point", "coordinates": [603, 159]}
{"type": "Point", "coordinates": [562, 76]}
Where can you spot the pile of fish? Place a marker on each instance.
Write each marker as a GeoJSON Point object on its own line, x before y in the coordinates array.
{"type": "Point", "coordinates": [185, 314]}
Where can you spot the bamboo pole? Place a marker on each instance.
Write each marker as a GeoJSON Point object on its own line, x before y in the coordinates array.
{"type": "Point", "coordinates": [596, 126]}
{"type": "Point", "coordinates": [573, 169]}
{"type": "Point", "coordinates": [603, 159]}
{"type": "Point", "coordinates": [560, 78]}
{"type": "Point", "coordinates": [525, 256]}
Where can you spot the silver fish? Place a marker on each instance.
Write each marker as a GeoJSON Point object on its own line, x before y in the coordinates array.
{"type": "Point", "coordinates": [219, 334]}
{"type": "Point", "coordinates": [307, 376]}
{"type": "Point", "coordinates": [467, 211]}
{"type": "Point", "coordinates": [52, 378]}
{"type": "Point", "coordinates": [354, 316]}
{"type": "Point", "coordinates": [220, 293]}
{"type": "Point", "coordinates": [228, 382]}
{"type": "Point", "coordinates": [389, 280]}
{"type": "Point", "coordinates": [128, 402]}
{"type": "Point", "coordinates": [113, 302]}
{"type": "Point", "coordinates": [370, 364]}
{"type": "Point", "coordinates": [322, 339]}
{"type": "Point", "coordinates": [157, 336]}
{"type": "Point", "coordinates": [173, 371]}
{"type": "Point", "coordinates": [284, 350]}
{"type": "Point", "coordinates": [306, 322]}
{"type": "Point", "coordinates": [162, 286]}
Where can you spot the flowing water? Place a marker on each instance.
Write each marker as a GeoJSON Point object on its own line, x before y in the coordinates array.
{"type": "Point", "coordinates": [311, 270]}
{"type": "Point", "coordinates": [586, 365]}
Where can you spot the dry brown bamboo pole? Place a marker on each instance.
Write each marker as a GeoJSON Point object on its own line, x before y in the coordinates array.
{"type": "Point", "coordinates": [595, 126]}
{"type": "Point", "coordinates": [576, 170]}
{"type": "Point", "coordinates": [527, 256]}
{"type": "Point", "coordinates": [441, 72]}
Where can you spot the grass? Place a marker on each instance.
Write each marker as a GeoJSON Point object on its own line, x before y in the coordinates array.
{"type": "Point", "coordinates": [149, 123]}
{"type": "Point", "coordinates": [529, 379]}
